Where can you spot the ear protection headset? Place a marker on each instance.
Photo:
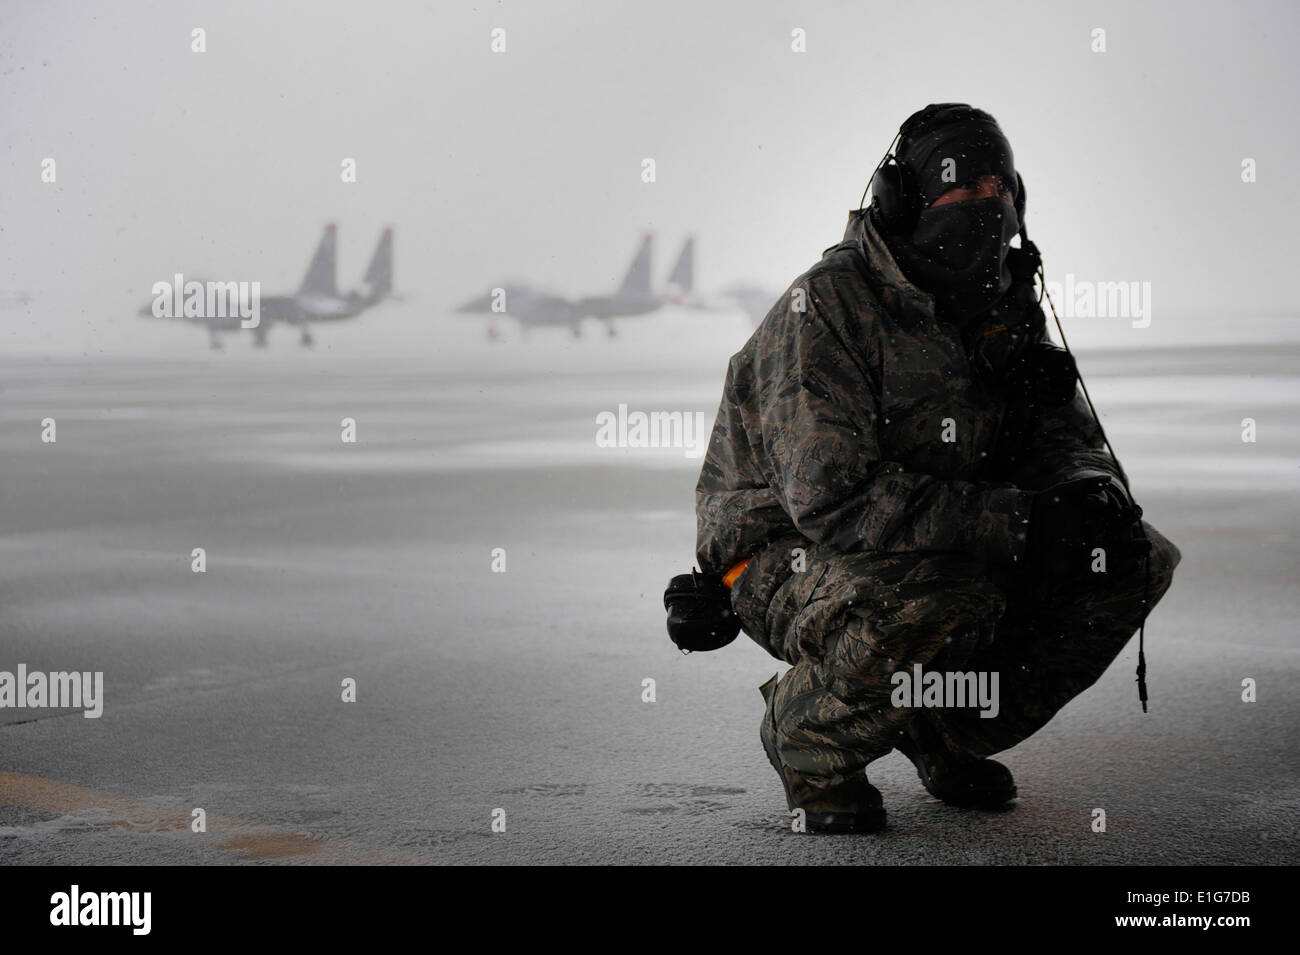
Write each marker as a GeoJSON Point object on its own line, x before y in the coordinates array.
{"type": "Point", "coordinates": [894, 195]}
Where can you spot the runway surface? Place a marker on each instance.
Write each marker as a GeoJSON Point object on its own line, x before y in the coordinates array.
{"type": "Point", "coordinates": [522, 691]}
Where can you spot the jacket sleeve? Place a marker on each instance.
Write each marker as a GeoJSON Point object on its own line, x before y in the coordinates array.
{"type": "Point", "coordinates": [819, 415]}
{"type": "Point", "coordinates": [1063, 443]}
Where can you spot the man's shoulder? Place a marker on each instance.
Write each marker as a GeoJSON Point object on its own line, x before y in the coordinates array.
{"type": "Point", "coordinates": [834, 296]}
{"type": "Point", "coordinates": [840, 264]}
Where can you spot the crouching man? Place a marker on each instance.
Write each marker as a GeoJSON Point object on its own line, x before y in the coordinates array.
{"type": "Point", "coordinates": [904, 474]}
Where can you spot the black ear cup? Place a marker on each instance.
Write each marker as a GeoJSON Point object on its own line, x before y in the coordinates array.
{"type": "Point", "coordinates": [1020, 199]}
{"type": "Point", "coordinates": [897, 199]}
{"type": "Point", "coordinates": [894, 196]}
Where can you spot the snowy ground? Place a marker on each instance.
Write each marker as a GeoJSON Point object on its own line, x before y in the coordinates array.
{"type": "Point", "coordinates": [522, 690]}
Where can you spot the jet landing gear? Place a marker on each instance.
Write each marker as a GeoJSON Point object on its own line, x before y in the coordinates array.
{"type": "Point", "coordinates": [306, 341]}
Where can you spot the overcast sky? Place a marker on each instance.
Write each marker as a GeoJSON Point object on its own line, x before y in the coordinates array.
{"type": "Point", "coordinates": [527, 163]}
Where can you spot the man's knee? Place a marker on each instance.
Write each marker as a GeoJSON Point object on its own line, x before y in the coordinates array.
{"type": "Point", "coordinates": [935, 610]}
{"type": "Point", "coordinates": [1146, 581]}
{"type": "Point", "coordinates": [1141, 583]}
{"type": "Point", "coordinates": [1160, 563]}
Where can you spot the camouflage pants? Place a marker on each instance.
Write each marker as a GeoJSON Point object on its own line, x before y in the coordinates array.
{"type": "Point", "coordinates": [847, 622]}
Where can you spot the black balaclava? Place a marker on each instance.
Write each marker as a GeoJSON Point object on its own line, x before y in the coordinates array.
{"type": "Point", "coordinates": [958, 251]}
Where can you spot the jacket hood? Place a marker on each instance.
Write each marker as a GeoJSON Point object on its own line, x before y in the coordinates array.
{"type": "Point", "coordinates": [894, 288]}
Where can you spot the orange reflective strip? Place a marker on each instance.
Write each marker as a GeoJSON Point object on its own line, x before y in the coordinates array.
{"type": "Point", "coordinates": [735, 572]}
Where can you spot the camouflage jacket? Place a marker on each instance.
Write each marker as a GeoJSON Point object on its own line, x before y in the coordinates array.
{"type": "Point", "coordinates": [853, 417]}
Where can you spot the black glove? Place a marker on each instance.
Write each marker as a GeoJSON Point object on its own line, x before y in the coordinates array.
{"type": "Point", "coordinates": [1069, 520]}
{"type": "Point", "coordinates": [699, 612]}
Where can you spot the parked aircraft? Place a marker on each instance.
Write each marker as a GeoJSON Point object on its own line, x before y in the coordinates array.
{"type": "Point", "coordinates": [223, 308]}
{"type": "Point", "coordinates": [534, 307]}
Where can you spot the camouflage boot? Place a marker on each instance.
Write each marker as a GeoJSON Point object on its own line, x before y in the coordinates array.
{"type": "Point", "coordinates": [968, 783]}
{"type": "Point", "coordinates": [853, 805]}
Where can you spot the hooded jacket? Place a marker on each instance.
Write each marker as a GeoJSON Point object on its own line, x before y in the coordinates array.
{"type": "Point", "coordinates": [853, 418]}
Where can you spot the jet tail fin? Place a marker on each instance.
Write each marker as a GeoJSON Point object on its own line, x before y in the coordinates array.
{"type": "Point", "coordinates": [636, 284]}
{"type": "Point", "coordinates": [322, 274]}
{"type": "Point", "coordinates": [379, 274]}
{"type": "Point", "coordinates": [682, 278]}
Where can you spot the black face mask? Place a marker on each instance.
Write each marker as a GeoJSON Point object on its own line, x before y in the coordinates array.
{"type": "Point", "coordinates": [958, 253]}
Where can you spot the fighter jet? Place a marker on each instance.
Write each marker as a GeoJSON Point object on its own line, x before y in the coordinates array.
{"type": "Point", "coordinates": [317, 299]}
{"type": "Point", "coordinates": [533, 307]}
{"type": "Point", "coordinates": [633, 296]}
